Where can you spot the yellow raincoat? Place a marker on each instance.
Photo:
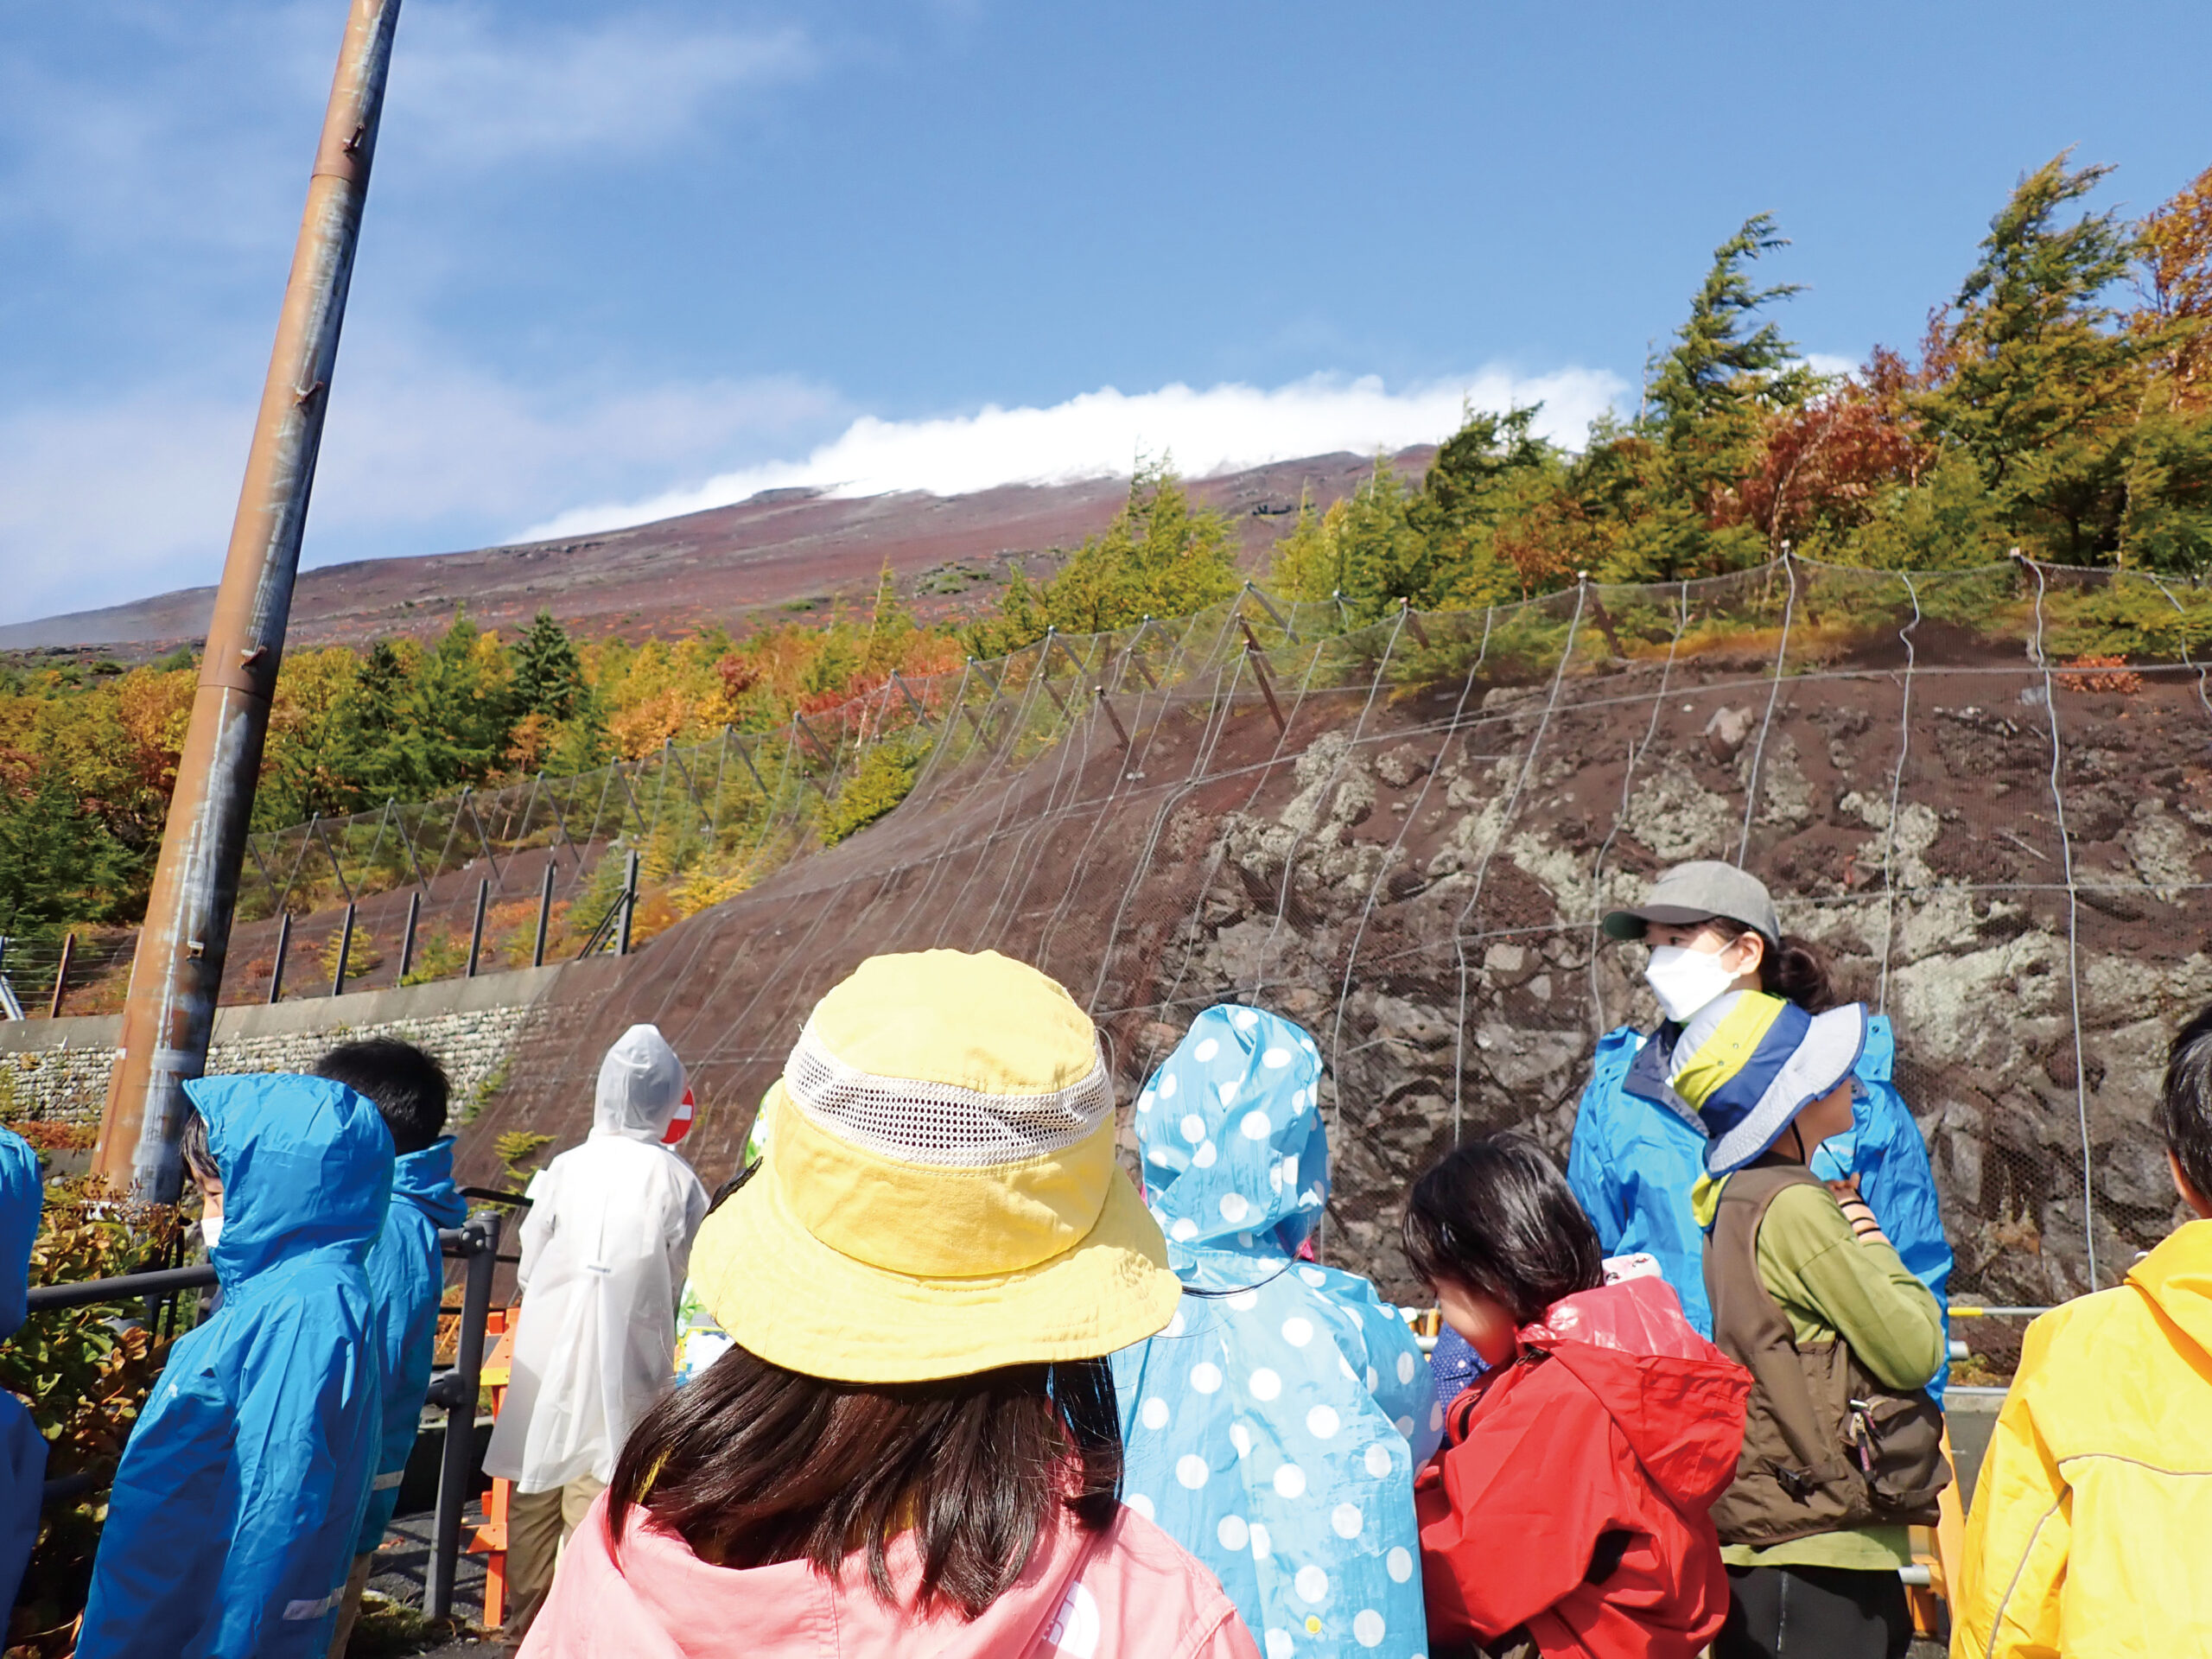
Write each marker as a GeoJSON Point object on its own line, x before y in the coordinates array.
{"type": "Point", "coordinates": [2093, 1517]}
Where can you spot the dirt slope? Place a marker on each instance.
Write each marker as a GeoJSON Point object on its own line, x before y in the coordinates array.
{"type": "Point", "coordinates": [781, 548]}
{"type": "Point", "coordinates": [1415, 877]}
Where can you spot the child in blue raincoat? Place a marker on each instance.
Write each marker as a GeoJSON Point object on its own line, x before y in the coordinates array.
{"type": "Point", "coordinates": [234, 1513]}
{"type": "Point", "coordinates": [406, 1271]}
{"type": "Point", "coordinates": [22, 1449]}
{"type": "Point", "coordinates": [1273, 1427]}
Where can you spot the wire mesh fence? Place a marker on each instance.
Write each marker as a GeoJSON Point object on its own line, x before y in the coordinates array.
{"type": "Point", "coordinates": [1403, 834]}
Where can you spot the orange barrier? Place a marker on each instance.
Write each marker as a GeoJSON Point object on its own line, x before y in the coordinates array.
{"type": "Point", "coordinates": [1938, 1549]}
{"type": "Point", "coordinates": [489, 1540]}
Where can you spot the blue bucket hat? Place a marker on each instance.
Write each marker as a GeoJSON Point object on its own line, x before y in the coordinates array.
{"type": "Point", "coordinates": [1749, 1063]}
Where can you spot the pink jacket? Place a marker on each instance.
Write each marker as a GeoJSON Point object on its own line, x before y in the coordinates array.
{"type": "Point", "coordinates": [1127, 1593]}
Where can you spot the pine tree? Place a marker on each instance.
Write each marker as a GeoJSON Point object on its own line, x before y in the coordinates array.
{"type": "Point", "coordinates": [549, 674]}
{"type": "Point", "coordinates": [2032, 379]}
{"type": "Point", "coordinates": [1709, 403]}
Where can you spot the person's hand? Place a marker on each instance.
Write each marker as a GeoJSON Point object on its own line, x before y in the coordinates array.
{"type": "Point", "coordinates": [1864, 1227]}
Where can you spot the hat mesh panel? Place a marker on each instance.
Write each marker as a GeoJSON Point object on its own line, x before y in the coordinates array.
{"type": "Point", "coordinates": [941, 1124]}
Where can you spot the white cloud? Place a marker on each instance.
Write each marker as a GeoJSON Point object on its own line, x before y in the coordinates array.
{"type": "Point", "coordinates": [475, 97]}
{"type": "Point", "coordinates": [1100, 432]}
{"type": "Point", "coordinates": [1831, 363]}
{"type": "Point", "coordinates": [101, 503]}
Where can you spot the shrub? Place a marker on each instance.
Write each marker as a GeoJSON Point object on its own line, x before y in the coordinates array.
{"type": "Point", "coordinates": [86, 1375]}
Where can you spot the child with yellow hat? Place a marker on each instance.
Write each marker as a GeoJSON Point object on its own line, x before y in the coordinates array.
{"type": "Point", "coordinates": [912, 1445]}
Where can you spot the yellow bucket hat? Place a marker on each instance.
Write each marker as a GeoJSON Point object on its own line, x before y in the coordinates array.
{"type": "Point", "coordinates": [940, 1195]}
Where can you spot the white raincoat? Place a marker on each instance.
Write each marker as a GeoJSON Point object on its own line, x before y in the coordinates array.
{"type": "Point", "coordinates": [604, 1251]}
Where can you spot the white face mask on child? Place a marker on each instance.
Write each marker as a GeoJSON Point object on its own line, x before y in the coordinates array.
{"type": "Point", "coordinates": [211, 1229]}
{"type": "Point", "coordinates": [1686, 980]}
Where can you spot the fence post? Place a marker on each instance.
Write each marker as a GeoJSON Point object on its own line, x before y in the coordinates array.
{"type": "Point", "coordinates": [476, 928]}
{"type": "Point", "coordinates": [344, 950]}
{"type": "Point", "coordinates": [544, 913]}
{"type": "Point", "coordinates": [61, 974]}
{"type": "Point", "coordinates": [283, 945]}
{"type": "Point", "coordinates": [629, 902]}
{"type": "Point", "coordinates": [407, 938]}
{"type": "Point", "coordinates": [1260, 672]}
{"type": "Point", "coordinates": [1106, 704]}
{"type": "Point", "coordinates": [458, 1390]}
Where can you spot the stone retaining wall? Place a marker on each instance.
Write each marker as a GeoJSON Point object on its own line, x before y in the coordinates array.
{"type": "Point", "coordinates": [57, 1070]}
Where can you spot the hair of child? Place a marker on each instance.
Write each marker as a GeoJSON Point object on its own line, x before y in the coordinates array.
{"type": "Point", "coordinates": [192, 1141]}
{"type": "Point", "coordinates": [1796, 970]}
{"type": "Point", "coordinates": [1497, 1217]}
{"type": "Point", "coordinates": [2185, 1110]}
{"type": "Point", "coordinates": [752, 1463]}
{"type": "Point", "coordinates": [408, 1086]}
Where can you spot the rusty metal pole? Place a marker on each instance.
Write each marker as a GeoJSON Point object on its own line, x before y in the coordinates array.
{"type": "Point", "coordinates": [178, 971]}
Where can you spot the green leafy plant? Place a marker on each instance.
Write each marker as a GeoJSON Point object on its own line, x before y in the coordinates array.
{"type": "Point", "coordinates": [86, 1375]}
{"type": "Point", "coordinates": [361, 954]}
{"type": "Point", "coordinates": [516, 1148]}
{"type": "Point", "coordinates": [439, 954]}
{"type": "Point", "coordinates": [486, 1086]}
{"type": "Point", "coordinates": [881, 781]}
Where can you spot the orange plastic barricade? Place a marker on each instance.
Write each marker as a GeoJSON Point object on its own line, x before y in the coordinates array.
{"type": "Point", "coordinates": [489, 1540]}
{"type": "Point", "coordinates": [1938, 1549]}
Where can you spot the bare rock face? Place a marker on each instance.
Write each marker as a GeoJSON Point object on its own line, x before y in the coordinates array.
{"type": "Point", "coordinates": [1423, 892]}
{"type": "Point", "coordinates": [1463, 880]}
{"type": "Point", "coordinates": [1727, 732]}
{"type": "Point", "coordinates": [1402, 767]}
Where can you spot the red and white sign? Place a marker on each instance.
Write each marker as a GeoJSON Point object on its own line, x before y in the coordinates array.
{"type": "Point", "coordinates": [680, 1125]}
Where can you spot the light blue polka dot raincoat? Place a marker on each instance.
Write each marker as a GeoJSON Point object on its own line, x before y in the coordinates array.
{"type": "Point", "coordinates": [1273, 1428]}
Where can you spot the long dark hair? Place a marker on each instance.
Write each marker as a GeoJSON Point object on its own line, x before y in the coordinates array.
{"type": "Point", "coordinates": [2183, 1113]}
{"type": "Point", "coordinates": [1796, 970]}
{"type": "Point", "coordinates": [192, 1143]}
{"type": "Point", "coordinates": [1498, 1216]}
{"type": "Point", "coordinates": [751, 1463]}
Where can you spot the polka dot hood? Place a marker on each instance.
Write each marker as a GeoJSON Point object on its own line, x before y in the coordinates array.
{"type": "Point", "coordinates": [1273, 1427]}
{"type": "Point", "coordinates": [1235, 1163]}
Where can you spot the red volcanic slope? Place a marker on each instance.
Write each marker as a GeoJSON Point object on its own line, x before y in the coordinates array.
{"type": "Point", "coordinates": [780, 549]}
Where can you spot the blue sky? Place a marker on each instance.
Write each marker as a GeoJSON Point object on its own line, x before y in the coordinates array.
{"type": "Point", "coordinates": [625, 258]}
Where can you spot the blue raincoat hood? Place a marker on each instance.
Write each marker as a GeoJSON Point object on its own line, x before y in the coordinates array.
{"type": "Point", "coordinates": [307, 1165]}
{"type": "Point", "coordinates": [232, 1518]}
{"type": "Point", "coordinates": [1273, 1427]}
{"type": "Point", "coordinates": [424, 1179]}
{"type": "Point", "coordinates": [1235, 1163]}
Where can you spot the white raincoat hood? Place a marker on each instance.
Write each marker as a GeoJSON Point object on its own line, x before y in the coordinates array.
{"type": "Point", "coordinates": [640, 1085]}
{"type": "Point", "coordinates": [604, 1249]}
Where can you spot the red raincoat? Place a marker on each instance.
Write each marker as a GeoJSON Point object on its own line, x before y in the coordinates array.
{"type": "Point", "coordinates": [1570, 1497]}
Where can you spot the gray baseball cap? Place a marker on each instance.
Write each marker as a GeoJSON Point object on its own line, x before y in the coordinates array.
{"type": "Point", "coordinates": [1697, 892]}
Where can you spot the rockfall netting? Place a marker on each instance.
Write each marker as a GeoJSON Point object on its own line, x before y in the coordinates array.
{"type": "Point", "coordinates": [1402, 836]}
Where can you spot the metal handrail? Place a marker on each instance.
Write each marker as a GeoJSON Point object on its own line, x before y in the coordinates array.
{"type": "Point", "coordinates": [476, 1243]}
{"type": "Point", "coordinates": [131, 1287]}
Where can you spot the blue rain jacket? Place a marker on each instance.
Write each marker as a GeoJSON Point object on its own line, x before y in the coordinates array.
{"type": "Point", "coordinates": [22, 1449]}
{"type": "Point", "coordinates": [230, 1528]}
{"type": "Point", "coordinates": [1636, 1154]}
{"type": "Point", "coordinates": [406, 1279]}
{"type": "Point", "coordinates": [1273, 1427]}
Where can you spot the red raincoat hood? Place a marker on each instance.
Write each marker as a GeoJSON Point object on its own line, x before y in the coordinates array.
{"type": "Point", "coordinates": [1678, 1399]}
{"type": "Point", "coordinates": [1613, 1432]}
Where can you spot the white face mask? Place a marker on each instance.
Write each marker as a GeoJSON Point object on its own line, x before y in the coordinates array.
{"type": "Point", "coordinates": [211, 1229]}
{"type": "Point", "coordinates": [1686, 980]}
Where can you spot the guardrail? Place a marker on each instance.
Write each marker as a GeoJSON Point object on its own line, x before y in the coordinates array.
{"type": "Point", "coordinates": [476, 1244]}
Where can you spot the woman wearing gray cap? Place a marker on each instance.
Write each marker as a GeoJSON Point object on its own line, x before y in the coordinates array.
{"type": "Point", "coordinates": [1638, 1147]}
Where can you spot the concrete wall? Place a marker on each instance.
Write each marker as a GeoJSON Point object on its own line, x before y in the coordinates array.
{"type": "Point", "coordinates": [56, 1071]}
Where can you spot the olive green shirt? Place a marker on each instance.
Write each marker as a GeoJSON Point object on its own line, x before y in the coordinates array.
{"type": "Point", "coordinates": [1834, 1285]}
